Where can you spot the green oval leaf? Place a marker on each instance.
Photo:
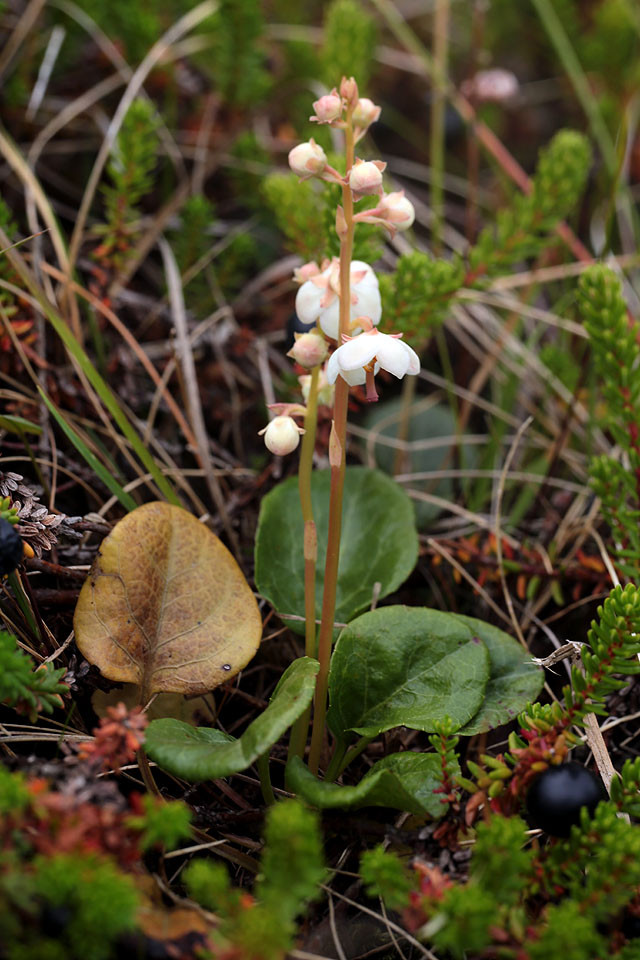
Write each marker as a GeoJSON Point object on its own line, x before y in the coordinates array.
{"type": "Point", "coordinates": [514, 680]}
{"type": "Point", "coordinates": [379, 543]}
{"type": "Point", "coordinates": [201, 753]}
{"type": "Point", "coordinates": [405, 666]}
{"type": "Point", "coordinates": [403, 781]}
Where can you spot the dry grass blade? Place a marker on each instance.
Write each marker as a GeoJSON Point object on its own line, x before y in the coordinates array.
{"type": "Point", "coordinates": [194, 405]}
{"type": "Point", "coordinates": [186, 23]}
{"type": "Point", "coordinates": [131, 341]}
{"type": "Point", "coordinates": [498, 530]}
{"type": "Point", "coordinates": [21, 168]}
{"type": "Point", "coordinates": [21, 32]}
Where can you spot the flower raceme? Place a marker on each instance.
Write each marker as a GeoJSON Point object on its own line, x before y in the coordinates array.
{"type": "Point", "coordinates": [361, 357]}
{"type": "Point", "coordinates": [318, 299]}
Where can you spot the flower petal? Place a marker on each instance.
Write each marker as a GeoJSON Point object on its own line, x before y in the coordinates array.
{"type": "Point", "coordinates": [308, 300]}
{"type": "Point", "coordinates": [329, 319]}
{"type": "Point", "coordinates": [357, 352]}
{"type": "Point", "coordinates": [368, 303]}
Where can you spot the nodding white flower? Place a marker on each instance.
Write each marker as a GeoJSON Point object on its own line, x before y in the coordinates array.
{"type": "Point", "coordinates": [365, 113]}
{"type": "Point", "coordinates": [367, 353]}
{"type": "Point", "coordinates": [309, 349]}
{"type": "Point", "coordinates": [307, 159]}
{"type": "Point", "coordinates": [365, 178]}
{"type": "Point", "coordinates": [397, 209]}
{"type": "Point", "coordinates": [281, 435]}
{"type": "Point", "coordinates": [318, 300]}
{"type": "Point", "coordinates": [328, 108]}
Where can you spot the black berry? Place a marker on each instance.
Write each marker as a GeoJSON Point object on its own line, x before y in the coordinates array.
{"type": "Point", "coordinates": [556, 797]}
{"type": "Point", "coordinates": [631, 926]}
{"type": "Point", "coordinates": [55, 920]}
{"type": "Point", "coordinates": [11, 547]}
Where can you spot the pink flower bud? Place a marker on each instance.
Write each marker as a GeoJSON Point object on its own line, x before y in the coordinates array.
{"type": "Point", "coordinates": [397, 209]}
{"type": "Point", "coordinates": [309, 350]}
{"type": "Point", "coordinates": [327, 108]}
{"type": "Point", "coordinates": [366, 178]}
{"type": "Point", "coordinates": [307, 159]}
{"type": "Point", "coordinates": [349, 91]}
{"type": "Point", "coordinates": [365, 112]}
{"type": "Point", "coordinates": [282, 436]}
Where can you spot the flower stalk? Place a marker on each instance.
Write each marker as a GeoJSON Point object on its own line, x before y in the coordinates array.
{"type": "Point", "coordinates": [337, 462]}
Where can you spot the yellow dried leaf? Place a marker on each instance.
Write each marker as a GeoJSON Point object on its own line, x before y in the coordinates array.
{"type": "Point", "coordinates": [166, 606]}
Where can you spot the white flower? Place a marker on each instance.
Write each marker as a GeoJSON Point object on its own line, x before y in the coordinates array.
{"type": "Point", "coordinates": [307, 159]}
{"type": "Point", "coordinates": [365, 177]}
{"type": "Point", "coordinates": [358, 353]}
{"type": "Point", "coordinates": [282, 435]}
{"type": "Point", "coordinates": [318, 300]}
{"type": "Point", "coordinates": [397, 209]}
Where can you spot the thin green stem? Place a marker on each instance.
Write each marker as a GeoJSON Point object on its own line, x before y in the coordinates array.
{"type": "Point", "coordinates": [355, 751]}
{"type": "Point", "coordinates": [262, 764]}
{"type": "Point", "coordinates": [337, 445]}
{"type": "Point", "coordinates": [336, 760]}
{"type": "Point", "coordinates": [22, 600]}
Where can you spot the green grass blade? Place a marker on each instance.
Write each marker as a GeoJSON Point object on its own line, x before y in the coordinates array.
{"type": "Point", "coordinates": [99, 385]}
{"type": "Point", "coordinates": [125, 499]}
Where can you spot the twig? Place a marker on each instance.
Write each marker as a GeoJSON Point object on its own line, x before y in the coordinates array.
{"type": "Point", "coordinates": [498, 532]}
{"type": "Point", "coordinates": [193, 394]}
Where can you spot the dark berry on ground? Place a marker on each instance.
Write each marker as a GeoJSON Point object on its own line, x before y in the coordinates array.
{"type": "Point", "coordinates": [556, 797]}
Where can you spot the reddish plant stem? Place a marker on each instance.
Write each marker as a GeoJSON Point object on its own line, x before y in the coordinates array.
{"type": "Point", "coordinates": [337, 445]}
{"type": "Point", "coordinates": [325, 636]}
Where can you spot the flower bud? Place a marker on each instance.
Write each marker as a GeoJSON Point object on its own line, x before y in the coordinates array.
{"type": "Point", "coordinates": [307, 159]}
{"type": "Point", "coordinates": [365, 112]}
{"type": "Point", "coordinates": [397, 209]}
{"type": "Point", "coordinates": [327, 108]}
{"type": "Point", "coordinates": [326, 390]}
{"type": "Point", "coordinates": [365, 178]}
{"type": "Point", "coordinates": [349, 91]}
{"type": "Point", "coordinates": [282, 435]}
{"type": "Point", "coordinates": [309, 350]}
